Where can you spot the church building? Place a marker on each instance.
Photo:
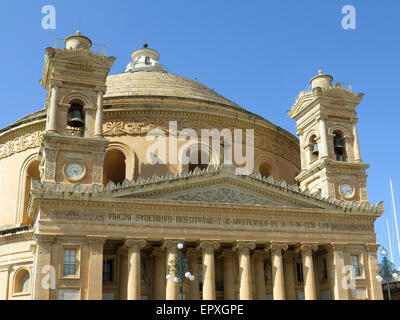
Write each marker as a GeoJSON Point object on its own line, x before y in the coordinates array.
{"type": "Point", "coordinates": [91, 210]}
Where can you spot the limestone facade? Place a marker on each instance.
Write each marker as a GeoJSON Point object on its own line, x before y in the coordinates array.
{"type": "Point", "coordinates": [86, 216]}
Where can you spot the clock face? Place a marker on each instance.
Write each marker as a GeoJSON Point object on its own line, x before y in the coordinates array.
{"type": "Point", "coordinates": [74, 170]}
{"type": "Point", "coordinates": [346, 190]}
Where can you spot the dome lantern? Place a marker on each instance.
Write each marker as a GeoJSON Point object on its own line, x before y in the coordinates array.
{"type": "Point", "coordinates": [323, 81]}
{"type": "Point", "coordinates": [145, 59]}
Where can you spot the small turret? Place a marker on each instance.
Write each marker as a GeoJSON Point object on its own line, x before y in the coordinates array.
{"type": "Point", "coordinates": [77, 41]}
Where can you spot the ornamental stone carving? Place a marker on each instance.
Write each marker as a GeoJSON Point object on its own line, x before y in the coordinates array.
{"type": "Point", "coordinates": [22, 143]}
{"type": "Point", "coordinates": [96, 244]}
{"type": "Point", "coordinates": [43, 243]}
{"type": "Point", "coordinates": [223, 195]}
{"type": "Point", "coordinates": [277, 247]}
{"type": "Point", "coordinates": [208, 245]}
{"type": "Point", "coordinates": [135, 244]}
{"type": "Point", "coordinates": [244, 246]}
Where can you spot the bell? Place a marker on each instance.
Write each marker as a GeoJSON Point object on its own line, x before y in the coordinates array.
{"type": "Point", "coordinates": [76, 119]}
{"type": "Point", "coordinates": [338, 143]}
{"type": "Point", "coordinates": [315, 149]}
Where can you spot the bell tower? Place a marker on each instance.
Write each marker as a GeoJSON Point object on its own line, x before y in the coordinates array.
{"type": "Point", "coordinates": [326, 121]}
{"type": "Point", "coordinates": [73, 146]}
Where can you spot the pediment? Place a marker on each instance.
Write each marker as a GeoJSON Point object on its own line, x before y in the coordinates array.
{"type": "Point", "coordinates": [222, 188]}
{"type": "Point", "coordinates": [214, 184]}
{"type": "Point", "coordinates": [224, 194]}
{"type": "Point", "coordinates": [83, 57]}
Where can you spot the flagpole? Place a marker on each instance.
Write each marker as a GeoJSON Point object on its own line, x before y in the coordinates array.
{"type": "Point", "coordinates": [395, 216]}
{"type": "Point", "coordinates": [390, 241]}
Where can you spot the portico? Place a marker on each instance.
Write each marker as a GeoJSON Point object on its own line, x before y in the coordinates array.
{"type": "Point", "coordinates": [267, 257]}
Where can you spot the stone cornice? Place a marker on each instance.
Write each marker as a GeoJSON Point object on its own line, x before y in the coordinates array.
{"type": "Point", "coordinates": [110, 194]}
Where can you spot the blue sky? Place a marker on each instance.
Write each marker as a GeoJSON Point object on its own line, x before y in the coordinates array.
{"type": "Point", "coordinates": [259, 54]}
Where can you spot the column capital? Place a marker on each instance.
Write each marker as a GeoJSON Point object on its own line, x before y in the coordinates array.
{"type": "Point", "coordinates": [338, 245]}
{"type": "Point", "coordinates": [157, 251]}
{"type": "Point", "coordinates": [96, 239]}
{"type": "Point", "coordinates": [321, 117]}
{"type": "Point", "coordinates": [101, 89]}
{"type": "Point", "coordinates": [208, 244]}
{"type": "Point", "coordinates": [43, 243]}
{"type": "Point", "coordinates": [372, 247]}
{"type": "Point", "coordinates": [133, 243]}
{"type": "Point", "coordinates": [307, 247]}
{"type": "Point", "coordinates": [171, 244]}
{"type": "Point", "coordinates": [277, 246]}
{"type": "Point", "coordinates": [55, 83]}
{"type": "Point", "coordinates": [44, 237]}
{"type": "Point", "coordinates": [245, 246]}
{"type": "Point", "coordinates": [96, 244]}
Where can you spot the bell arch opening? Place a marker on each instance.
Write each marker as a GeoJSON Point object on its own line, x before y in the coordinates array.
{"type": "Point", "coordinates": [339, 146]}
{"type": "Point", "coordinates": [76, 119]}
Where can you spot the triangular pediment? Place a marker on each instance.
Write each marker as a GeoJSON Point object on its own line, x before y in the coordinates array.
{"type": "Point", "coordinates": [221, 187]}
{"type": "Point", "coordinates": [83, 57]}
{"type": "Point", "coordinates": [212, 185]}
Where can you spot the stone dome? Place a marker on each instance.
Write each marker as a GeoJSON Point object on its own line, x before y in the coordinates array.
{"type": "Point", "coordinates": [146, 77]}
{"type": "Point", "coordinates": [161, 84]}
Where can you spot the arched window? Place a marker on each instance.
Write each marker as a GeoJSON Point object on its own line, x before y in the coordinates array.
{"type": "Point", "coordinates": [31, 173]}
{"type": "Point", "coordinates": [22, 281]}
{"type": "Point", "coordinates": [76, 119]}
{"type": "Point", "coordinates": [265, 169]}
{"type": "Point", "coordinates": [198, 161]}
{"type": "Point", "coordinates": [339, 146]}
{"type": "Point", "coordinates": [114, 167]}
{"type": "Point", "coordinates": [314, 151]}
{"type": "Point", "coordinates": [198, 157]}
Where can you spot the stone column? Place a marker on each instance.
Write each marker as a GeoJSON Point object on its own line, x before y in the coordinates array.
{"type": "Point", "coordinates": [323, 153]}
{"type": "Point", "coordinates": [243, 248]}
{"type": "Point", "coordinates": [356, 146]}
{"type": "Point", "coordinates": [336, 264]}
{"type": "Point", "coordinates": [290, 272]}
{"type": "Point", "coordinates": [123, 272]}
{"type": "Point", "coordinates": [278, 279]}
{"type": "Point", "coordinates": [95, 277]}
{"type": "Point", "coordinates": [228, 257]}
{"type": "Point", "coordinates": [44, 278]}
{"type": "Point", "coordinates": [98, 128]}
{"type": "Point", "coordinates": [160, 273]}
{"type": "Point", "coordinates": [134, 246]}
{"type": "Point", "coordinates": [374, 286]}
{"type": "Point", "coordinates": [310, 292]}
{"type": "Point", "coordinates": [172, 288]}
{"type": "Point", "coordinates": [52, 114]}
{"type": "Point", "coordinates": [207, 247]}
{"type": "Point", "coordinates": [192, 256]}
{"type": "Point", "coordinates": [4, 282]}
{"type": "Point", "coordinates": [259, 275]}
